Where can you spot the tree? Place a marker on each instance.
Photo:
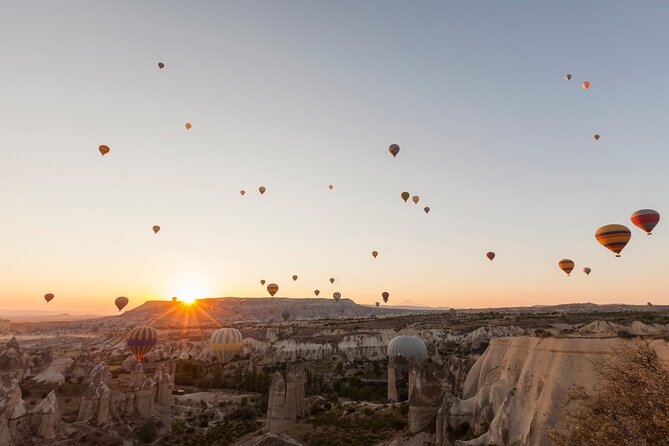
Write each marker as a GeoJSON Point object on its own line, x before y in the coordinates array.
{"type": "Point", "coordinates": [631, 408]}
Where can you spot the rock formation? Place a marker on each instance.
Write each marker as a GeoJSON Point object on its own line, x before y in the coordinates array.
{"type": "Point", "coordinates": [294, 406]}
{"type": "Point", "coordinates": [392, 381]}
{"type": "Point", "coordinates": [425, 398]}
{"type": "Point", "coordinates": [276, 416]}
{"type": "Point", "coordinates": [13, 361]}
{"type": "Point", "coordinates": [45, 417]}
{"type": "Point", "coordinates": [271, 439]}
{"type": "Point", "coordinates": [95, 401]}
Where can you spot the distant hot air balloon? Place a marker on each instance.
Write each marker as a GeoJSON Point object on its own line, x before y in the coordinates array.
{"type": "Point", "coordinates": [317, 292]}
{"type": "Point", "coordinates": [262, 281]}
{"type": "Point", "coordinates": [272, 288]}
{"type": "Point", "coordinates": [426, 209]}
{"type": "Point", "coordinates": [490, 255]}
{"type": "Point", "coordinates": [48, 297]}
{"type": "Point", "coordinates": [161, 65]}
{"type": "Point", "coordinates": [242, 192]}
{"type": "Point", "coordinates": [586, 85]}
{"type": "Point", "coordinates": [405, 196]}
{"type": "Point", "coordinates": [337, 296]}
{"type": "Point", "coordinates": [394, 149]}
{"type": "Point", "coordinates": [385, 296]}
{"type": "Point", "coordinates": [330, 186]}
{"type": "Point", "coordinates": [188, 126]}
{"type": "Point", "coordinates": [568, 77]}
{"type": "Point", "coordinates": [415, 199]}
{"type": "Point", "coordinates": [174, 299]}
{"type": "Point", "coordinates": [225, 343]}
{"type": "Point", "coordinates": [262, 189]}
{"type": "Point", "coordinates": [156, 228]}
{"type": "Point", "coordinates": [103, 149]}
{"type": "Point", "coordinates": [587, 270]}
{"type": "Point", "coordinates": [613, 237]}
{"type": "Point", "coordinates": [374, 254]}
{"type": "Point", "coordinates": [646, 220]}
{"type": "Point", "coordinates": [331, 279]}
{"type": "Point", "coordinates": [141, 341]}
{"type": "Point", "coordinates": [294, 277]}
{"type": "Point", "coordinates": [285, 314]}
{"type": "Point", "coordinates": [566, 265]}
{"type": "Point", "coordinates": [121, 302]}
{"type": "Point", "coordinates": [377, 304]}
{"type": "Point", "coordinates": [595, 137]}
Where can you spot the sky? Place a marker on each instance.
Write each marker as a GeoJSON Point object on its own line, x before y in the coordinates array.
{"type": "Point", "coordinates": [296, 95]}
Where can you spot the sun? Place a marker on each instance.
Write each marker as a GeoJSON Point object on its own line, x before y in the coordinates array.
{"type": "Point", "coordinates": [188, 300]}
{"type": "Point", "coordinates": [188, 294]}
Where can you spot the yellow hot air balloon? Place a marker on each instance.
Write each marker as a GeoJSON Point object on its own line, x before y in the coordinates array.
{"type": "Point", "coordinates": [225, 343]}
{"type": "Point", "coordinates": [141, 341]}
{"type": "Point", "coordinates": [272, 288]}
{"type": "Point", "coordinates": [48, 297]}
{"type": "Point", "coordinates": [566, 265]}
{"type": "Point", "coordinates": [188, 126]}
{"type": "Point", "coordinates": [294, 277]}
{"type": "Point", "coordinates": [103, 149]}
{"type": "Point", "coordinates": [156, 228]}
{"type": "Point", "coordinates": [262, 190]}
{"type": "Point", "coordinates": [374, 254]}
{"type": "Point", "coordinates": [405, 196]}
{"type": "Point", "coordinates": [613, 237]}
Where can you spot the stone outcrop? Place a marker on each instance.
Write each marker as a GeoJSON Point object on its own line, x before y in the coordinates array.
{"type": "Point", "coordinates": [294, 406]}
{"type": "Point", "coordinates": [441, 434]}
{"type": "Point", "coordinates": [271, 439]}
{"type": "Point", "coordinates": [425, 398]}
{"type": "Point", "coordinates": [95, 403]}
{"type": "Point", "coordinates": [392, 381]}
{"type": "Point", "coordinates": [14, 361]}
{"type": "Point", "coordinates": [45, 417]}
{"type": "Point", "coordinates": [55, 372]}
{"type": "Point", "coordinates": [276, 415]}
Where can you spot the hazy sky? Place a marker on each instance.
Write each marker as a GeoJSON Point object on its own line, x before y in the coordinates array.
{"type": "Point", "coordinates": [297, 95]}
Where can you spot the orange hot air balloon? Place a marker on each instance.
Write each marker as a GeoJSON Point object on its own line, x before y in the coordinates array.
{"type": "Point", "coordinates": [595, 137]}
{"type": "Point", "coordinates": [188, 126]}
{"type": "Point", "coordinates": [121, 302]}
{"type": "Point", "coordinates": [566, 265]}
{"type": "Point", "coordinates": [242, 192]}
{"type": "Point", "coordinates": [294, 277]}
{"type": "Point", "coordinates": [174, 299]}
{"type": "Point", "coordinates": [262, 281]}
{"type": "Point", "coordinates": [405, 196]}
{"type": "Point", "coordinates": [490, 255]}
{"type": "Point", "coordinates": [587, 270]}
{"type": "Point", "coordinates": [394, 149]}
{"type": "Point", "coordinates": [646, 220]}
{"type": "Point", "coordinates": [48, 297]}
{"type": "Point", "coordinates": [568, 77]}
{"type": "Point", "coordinates": [156, 228]}
{"type": "Point", "coordinates": [336, 296]}
{"type": "Point", "coordinates": [161, 65]}
{"type": "Point", "coordinates": [331, 279]}
{"type": "Point", "coordinates": [272, 288]}
{"type": "Point", "coordinates": [103, 149]}
{"type": "Point", "coordinates": [317, 292]}
{"type": "Point", "coordinates": [613, 237]}
{"type": "Point", "coordinates": [385, 296]}
{"type": "Point", "coordinates": [330, 186]}
{"type": "Point", "coordinates": [262, 190]}
{"type": "Point", "coordinates": [415, 199]}
{"type": "Point", "coordinates": [426, 209]}
{"type": "Point", "coordinates": [374, 254]}
{"type": "Point", "coordinates": [586, 85]}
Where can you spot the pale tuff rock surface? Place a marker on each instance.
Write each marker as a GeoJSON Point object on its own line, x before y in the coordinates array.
{"type": "Point", "coordinates": [276, 415]}
{"type": "Point", "coordinates": [519, 385]}
{"type": "Point", "coordinates": [55, 372]}
{"type": "Point", "coordinates": [45, 417]}
{"type": "Point", "coordinates": [13, 361]}
{"type": "Point", "coordinates": [271, 439]}
{"type": "Point", "coordinates": [425, 398]}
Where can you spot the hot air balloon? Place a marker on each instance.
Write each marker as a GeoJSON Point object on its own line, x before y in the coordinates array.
{"type": "Point", "coordinates": [174, 299]}
{"type": "Point", "coordinates": [377, 304]}
{"type": "Point", "coordinates": [242, 192]}
{"type": "Point", "coordinates": [415, 199]}
{"type": "Point", "coordinates": [613, 237]}
{"type": "Point", "coordinates": [646, 220]}
{"type": "Point", "coordinates": [394, 149]}
{"type": "Point", "coordinates": [262, 281]}
{"type": "Point", "coordinates": [405, 196]}
{"type": "Point", "coordinates": [330, 186]}
{"type": "Point", "coordinates": [262, 189]}
{"type": "Point", "coordinates": [566, 265]}
{"type": "Point", "coordinates": [331, 279]}
{"type": "Point", "coordinates": [48, 297]}
{"type": "Point", "coordinates": [385, 296]}
{"type": "Point", "coordinates": [426, 209]}
{"type": "Point", "coordinates": [337, 296]}
{"type": "Point", "coordinates": [374, 254]}
{"type": "Point", "coordinates": [317, 292]}
{"type": "Point", "coordinates": [156, 228]}
{"type": "Point", "coordinates": [103, 149]}
{"type": "Point", "coordinates": [121, 302]}
{"type": "Point", "coordinates": [568, 77]}
{"type": "Point", "coordinates": [272, 288]}
{"type": "Point", "coordinates": [161, 65]}
{"type": "Point", "coordinates": [595, 137]}
{"type": "Point", "coordinates": [294, 277]}
{"type": "Point", "coordinates": [141, 341]}
{"type": "Point", "coordinates": [586, 85]}
{"type": "Point", "coordinates": [225, 343]}
{"type": "Point", "coordinates": [401, 349]}
{"type": "Point", "coordinates": [285, 314]}
{"type": "Point", "coordinates": [587, 270]}
{"type": "Point", "coordinates": [188, 126]}
{"type": "Point", "coordinates": [490, 255]}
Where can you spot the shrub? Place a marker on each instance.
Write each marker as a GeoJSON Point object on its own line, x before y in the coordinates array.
{"type": "Point", "coordinates": [147, 432]}
{"type": "Point", "coordinates": [625, 334]}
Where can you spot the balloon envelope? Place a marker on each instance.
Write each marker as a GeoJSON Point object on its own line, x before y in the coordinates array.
{"type": "Point", "coordinates": [337, 296]}
{"type": "Point", "coordinates": [587, 270]}
{"type": "Point", "coordinates": [646, 220]}
{"type": "Point", "coordinates": [426, 209]}
{"type": "Point", "coordinates": [415, 199]}
{"type": "Point", "coordinates": [568, 77]}
{"type": "Point", "coordinates": [272, 288]}
{"type": "Point", "coordinates": [330, 186]}
{"type": "Point", "coordinates": [121, 302]}
{"type": "Point", "coordinates": [613, 237]}
{"type": "Point", "coordinates": [566, 265]}
{"type": "Point", "coordinates": [595, 137]}
{"type": "Point", "coordinates": [285, 314]}
{"type": "Point", "coordinates": [401, 349]}
{"type": "Point", "coordinates": [242, 192]}
{"type": "Point", "coordinates": [317, 292]}
{"type": "Point", "coordinates": [377, 304]}
{"type": "Point", "coordinates": [385, 296]}
{"type": "Point", "coordinates": [394, 149]}
{"type": "Point", "coordinates": [188, 126]}
{"type": "Point", "coordinates": [225, 343]}
{"type": "Point", "coordinates": [331, 279]}
{"type": "Point", "coordinates": [586, 85]}
{"type": "Point", "coordinates": [161, 65]}
{"type": "Point", "coordinates": [405, 196]}
{"type": "Point", "coordinates": [375, 253]}
{"type": "Point", "coordinates": [103, 149]}
{"type": "Point", "coordinates": [262, 189]}
{"type": "Point", "coordinates": [262, 281]}
{"type": "Point", "coordinates": [294, 277]}
{"type": "Point", "coordinates": [141, 341]}
{"type": "Point", "coordinates": [48, 297]}
{"type": "Point", "coordinates": [156, 229]}
{"type": "Point", "coordinates": [490, 255]}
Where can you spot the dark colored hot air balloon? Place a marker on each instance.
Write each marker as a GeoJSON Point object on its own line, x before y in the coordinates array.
{"type": "Point", "coordinates": [613, 237]}
{"type": "Point", "coordinates": [566, 265]}
{"type": "Point", "coordinates": [141, 341]}
{"type": "Point", "coordinates": [242, 192]}
{"type": "Point", "coordinates": [225, 343]}
{"type": "Point", "coordinates": [294, 277]}
{"type": "Point", "coordinates": [262, 281]}
{"type": "Point", "coordinates": [385, 296]}
{"type": "Point", "coordinates": [331, 279]}
{"type": "Point", "coordinates": [317, 292]}
{"type": "Point", "coordinates": [262, 189]}
{"type": "Point", "coordinates": [405, 196]}
{"type": "Point", "coordinates": [156, 228]}
{"type": "Point", "coordinates": [595, 137]}
{"type": "Point", "coordinates": [490, 255]}
{"type": "Point", "coordinates": [285, 314]}
{"type": "Point", "coordinates": [48, 297]}
{"type": "Point", "coordinates": [272, 288]}
{"type": "Point", "coordinates": [587, 270]}
{"type": "Point", "coordinates": [161, 65]}
{"type": "Point", "coordinates": [330, 186]}
{"type": "Point", "coordinates": [375, 253]}
{"type": "Point", "coordinates": [646, 220]}
{"type": "Point", "coordinates": [394, 149]}
{"type": "Point", "coordinates": [174, 299]}
{"type": "Point", "coordinates": [337, 296]}
{"type": "Point", "coordinates": [426, 209]}
{"type": "Point", "coordinates": [402, 349]}
{"type": "Point", "coordinates": [377, 304]}
{"type": "Point", "coordinates": [121, 302]}
{"type": "Point", "coordinates": [103, 149]}
{"type": "Point", "coordinates": [568, 77]}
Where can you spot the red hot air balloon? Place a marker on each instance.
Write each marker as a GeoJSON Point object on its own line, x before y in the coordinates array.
{"type": "Point", "coordinates": [646, 220]}
{"type": "Point", "coordinates": [490, 255]}
{"type": "Point", "coordinates": [121, 302]}
{"type": "Point", "coordinates": [48, 297]}
{"type": "Point", "coordinates": [586, 85]}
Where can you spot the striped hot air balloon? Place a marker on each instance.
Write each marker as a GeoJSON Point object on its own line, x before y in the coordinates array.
{"type": "Point", "coordinates": [646, 220]}
{"type": "Point", "coordinates": [566, 265]}
{"type": "Point", "coordinates": [141, 341]}
{"type": "Point", "coordinates": [613, 237]}
{"type": "Point", "coordinates": [225, 343]}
